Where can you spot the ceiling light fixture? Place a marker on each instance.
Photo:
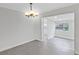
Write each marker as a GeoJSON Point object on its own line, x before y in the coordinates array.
{"type": "Point", "coordinates": [31, 13]}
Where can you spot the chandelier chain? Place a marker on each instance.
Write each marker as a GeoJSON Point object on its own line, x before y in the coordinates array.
{"type": "Point", "coordinates": [30, 6]}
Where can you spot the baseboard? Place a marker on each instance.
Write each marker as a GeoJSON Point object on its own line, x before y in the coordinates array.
{"type": "Point", "coordinates": [16, 45]}
{"type": "Point", "coordinates": [63, 37]}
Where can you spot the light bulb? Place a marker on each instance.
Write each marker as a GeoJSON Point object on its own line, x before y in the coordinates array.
{"type": "Point", "coordinates": [31, 13]}
{"type": "Point", "coordinates": [26, 13]}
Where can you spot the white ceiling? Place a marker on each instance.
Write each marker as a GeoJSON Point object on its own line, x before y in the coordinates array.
{"type": "Point", "coordinates": [41, 7]}
{"type": "Point", "coordinates": [61, 17]}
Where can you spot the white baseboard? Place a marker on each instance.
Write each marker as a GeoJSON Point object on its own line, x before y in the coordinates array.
{"type": "Point", "coordinates": [63, 37]}
{"type": "Point", "coordinates": [9, 47]}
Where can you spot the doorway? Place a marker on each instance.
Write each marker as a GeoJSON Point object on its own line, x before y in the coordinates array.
{"type": "Point", "coordinates": [58, 31]}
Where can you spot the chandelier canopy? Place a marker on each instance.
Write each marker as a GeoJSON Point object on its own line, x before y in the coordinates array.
{"type": "Point", "coordinates": [31, 13]}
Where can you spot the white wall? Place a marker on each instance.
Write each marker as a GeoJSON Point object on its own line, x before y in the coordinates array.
{"type": "Point", "coordinates": [16, 29]}
{"type": "Point", "coordinates": [43, 29]}
{"type": "Point", "coordinates": [51, 29]}
{"type": "Point", "coordinates": [37, 29]}
{"type": "Point", "coordinates": [66, 34]}
{"type": "Point", "coordinates": [48, 28]}
{"type": "Point", "coordinates": [77, 31]}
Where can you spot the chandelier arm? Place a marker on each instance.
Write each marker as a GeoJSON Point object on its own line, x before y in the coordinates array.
{"type": "Point", "coordinates": [31, 13]}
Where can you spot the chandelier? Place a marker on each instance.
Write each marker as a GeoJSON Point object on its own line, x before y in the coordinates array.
{"type": "Point", "coordinates": [31, 13]}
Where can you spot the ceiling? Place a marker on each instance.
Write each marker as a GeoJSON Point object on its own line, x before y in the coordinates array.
{"type": "Point", "coordinates": [40, 7]}
{"type": "Point", "coordinates": [61, 17]}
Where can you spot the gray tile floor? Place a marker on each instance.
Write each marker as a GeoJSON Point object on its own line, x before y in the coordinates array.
{"type": "Point", "coordinates": [55, 46]}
